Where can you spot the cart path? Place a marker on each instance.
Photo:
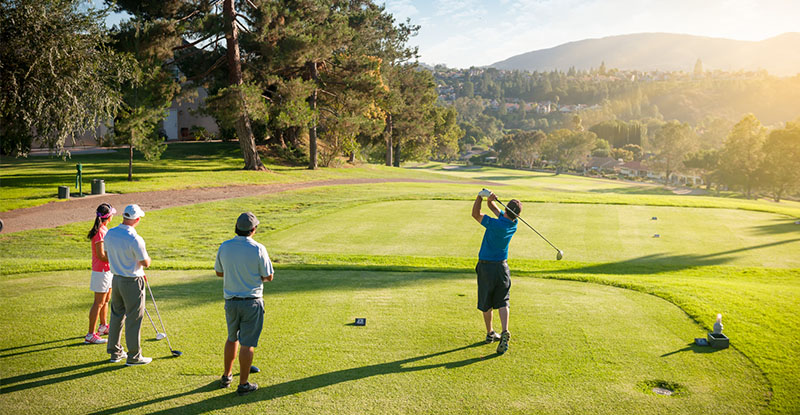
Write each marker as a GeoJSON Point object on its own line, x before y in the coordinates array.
{"type": "Point", "coordinates": [57, 213]}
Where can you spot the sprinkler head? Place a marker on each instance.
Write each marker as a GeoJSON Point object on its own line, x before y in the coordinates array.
{"type": "Point", "coordinates": [177, 353]}
{"type": "Point", "coordinates": [560, 255]}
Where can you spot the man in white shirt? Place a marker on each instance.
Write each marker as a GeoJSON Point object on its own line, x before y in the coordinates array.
{"type": "Point", "coordinates": [244, 266]}
{"type": "Point", "coordinates": [127, 258]}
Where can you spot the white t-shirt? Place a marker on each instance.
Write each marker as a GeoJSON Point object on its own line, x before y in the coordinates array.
{"type": "Point", "coordinates": [125, 249]}
{"type": "Point", "coordinates": [243, 262]}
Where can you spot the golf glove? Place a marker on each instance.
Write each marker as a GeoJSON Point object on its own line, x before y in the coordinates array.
{"type": "Point", "coordinates": [485, 193]}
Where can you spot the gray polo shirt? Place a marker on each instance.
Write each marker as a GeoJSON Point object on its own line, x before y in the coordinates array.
{"type": "Point", "coordinates": [125, 249]}
{"type": "Point", "coordinates": [243, 262]}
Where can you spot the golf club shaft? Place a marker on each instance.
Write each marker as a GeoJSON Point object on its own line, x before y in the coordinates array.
{"type": "Point", "coordinates": [532, 228]}
{"type": "Point", "coordinates": [157, 313]}
{"type": "Point", "coordinates": [151, 320]}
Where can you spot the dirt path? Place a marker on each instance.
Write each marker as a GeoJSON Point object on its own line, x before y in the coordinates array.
{"type": "Point", "coordinates": [80, 209]}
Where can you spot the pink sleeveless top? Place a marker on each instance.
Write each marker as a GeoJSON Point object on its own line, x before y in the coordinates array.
{"type": "Point", "coordinates": [97, 264]}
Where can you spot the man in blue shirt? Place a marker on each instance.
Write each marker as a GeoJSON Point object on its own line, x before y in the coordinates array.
{"type": "Point", "coordinates": [494, 277]}
{"type": "Point", "coordinates": [244, 266]}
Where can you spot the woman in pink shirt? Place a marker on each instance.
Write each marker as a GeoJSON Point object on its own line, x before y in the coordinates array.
{"type": "Point", "coordinates": [101, 275]}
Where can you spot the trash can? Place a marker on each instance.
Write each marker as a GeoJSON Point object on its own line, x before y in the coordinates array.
{"type": "Point", "coordinates": [98, 187]}
{"type": "Point", "coordinates": [63, 192]}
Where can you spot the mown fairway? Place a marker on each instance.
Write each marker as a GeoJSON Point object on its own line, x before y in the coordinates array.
{"type": "Point", "coordinates": [401, 254]}
{"type": "Point", "coordinates": [577, 348]}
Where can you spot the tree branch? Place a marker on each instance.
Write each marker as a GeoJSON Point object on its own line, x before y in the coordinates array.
{"type": "Point", "coordinates": [188, 45]}
{"type": "Point", "coordinates": [214, 66]}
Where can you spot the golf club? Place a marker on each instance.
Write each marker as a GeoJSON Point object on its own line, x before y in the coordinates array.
{"type": "Point", "coordinates": [159, 336]}
{"type": "Point", "coordinates": [560, 253]}
{"type": "Point", "coordinates": [175, 353]}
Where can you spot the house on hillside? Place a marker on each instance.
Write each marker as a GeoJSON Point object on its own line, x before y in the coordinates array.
{"type": "Point", "coordinates": [633, 169]}
{"type": "Point", "coordinates": [685, 179]}
{"type": "Point", "coordinates": [601, 165]}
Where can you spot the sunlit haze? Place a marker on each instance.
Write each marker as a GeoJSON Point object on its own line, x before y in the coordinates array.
{"type": "Point", "coordinates": [464, 33]}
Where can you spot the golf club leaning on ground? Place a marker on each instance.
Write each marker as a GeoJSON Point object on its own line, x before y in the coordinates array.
{"type": "Point", "coordinates": [159, 335]}
{"type": "Point", "coordinates": [175, 353]}
{"type": "Point", "coordinates": [560, 253]}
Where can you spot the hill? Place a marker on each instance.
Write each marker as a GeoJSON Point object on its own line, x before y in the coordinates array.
{"type": "Point", "coordinates": [666, 52]}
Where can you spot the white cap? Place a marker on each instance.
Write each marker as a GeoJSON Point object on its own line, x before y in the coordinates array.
{"type": "Point", "coordinates": [132, 212]}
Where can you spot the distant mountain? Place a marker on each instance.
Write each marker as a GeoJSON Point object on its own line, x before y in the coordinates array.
{"type": "Point", "coordinates": [779, 55]}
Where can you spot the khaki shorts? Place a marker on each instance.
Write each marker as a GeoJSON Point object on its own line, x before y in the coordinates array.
{"type": "Point", "coordinates": [245, 319]}
{"type": "Point", "coordinates": [101, 281]}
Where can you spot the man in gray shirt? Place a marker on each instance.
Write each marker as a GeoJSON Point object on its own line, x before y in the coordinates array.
{"type": "Point", "coordinates": [244, 265]}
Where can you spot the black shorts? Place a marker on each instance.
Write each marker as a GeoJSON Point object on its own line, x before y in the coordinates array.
{"type": "Point", "coordinates": [494, 284]}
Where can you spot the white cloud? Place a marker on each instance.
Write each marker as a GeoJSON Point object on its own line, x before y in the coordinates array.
{"type": "Point", "coordinates": [401, 9]}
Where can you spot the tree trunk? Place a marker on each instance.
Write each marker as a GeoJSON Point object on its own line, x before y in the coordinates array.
{"type": "Point", "coordinates": [396, 162]}
{"type": "Point", "coordinates": [387, 133]}
{"type": "Point", "coordinates": [352, 158]}
{"type": "Point", "coordinates": [243, 128]}
{"type": "Point", "coordinates": [312, 130]}
{"type": "Point", "coordinates": [130, 161]}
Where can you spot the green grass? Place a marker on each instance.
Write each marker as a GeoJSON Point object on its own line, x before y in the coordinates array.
{"type": "Point", "coordinates": [577, 348]}
{"type": "Point", "coordinates": [738, 257]}
{"type": "Point", "coordinates": [34, 181]}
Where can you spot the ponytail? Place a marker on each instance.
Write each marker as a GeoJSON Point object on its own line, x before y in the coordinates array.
{"type": "Point", "coordinates": [95, 228]}
{"type": "Point", "coordinates": [104, 212]}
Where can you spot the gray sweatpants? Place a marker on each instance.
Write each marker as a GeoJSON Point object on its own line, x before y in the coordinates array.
{"type": "Point", "coordinates": [127, 306]}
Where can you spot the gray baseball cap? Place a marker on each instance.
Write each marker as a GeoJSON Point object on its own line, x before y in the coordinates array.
{"type": "Point", "coordinates": [246, 221]}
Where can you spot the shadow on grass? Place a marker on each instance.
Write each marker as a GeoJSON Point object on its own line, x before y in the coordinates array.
{"type": "Point", "coordinates": [80, 343]}
{"type": "Point", "coordinates": [306, 384]}
{"type": "Point", "coordinates": [691, 347]}
{"type": "Point", "coordinates": [657, 263]}
{"type": "Point", "coordinates": [39, 344]}
{"type": "Point", "coordinates": [778, 227]}
{"type": "Point", "coordinates": [293, 279]}
{"type": "Point", "coordinates": [57, 371]}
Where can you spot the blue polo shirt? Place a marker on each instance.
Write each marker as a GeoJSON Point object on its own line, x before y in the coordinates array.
{"type": "Point", "coordinates": [496, 238]}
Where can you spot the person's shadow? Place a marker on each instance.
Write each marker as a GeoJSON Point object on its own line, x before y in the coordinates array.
{"type": "Point", "coordinates": [304, 384]}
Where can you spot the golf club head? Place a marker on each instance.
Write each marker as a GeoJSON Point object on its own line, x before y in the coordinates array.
{"type": "Point", "coordinates": [560, 255]}
{"type": "Point", "coordinates": [160, 336]}
{"type": "Point", "coordinates": [176, 353]}
{"type": "Point", "coordinates": [254, 369]}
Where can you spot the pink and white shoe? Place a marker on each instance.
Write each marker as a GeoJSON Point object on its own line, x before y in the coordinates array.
{"type": "Point", "coordinates": [102, 330]}
{"type": "Point", "coordinates": [93, 338]}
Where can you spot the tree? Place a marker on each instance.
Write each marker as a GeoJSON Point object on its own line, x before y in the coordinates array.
{"type": "Point", "coordinates": [244, 130]}
{"type": "Point", "coordinates": [520, 148]}
{"type": "Point", "coordinates": [565, 148]}
{"type": "Point", "coordinates": [622, 154]}
{"type": "Point", "coordinates": [148, 97]}
{"type": "Point", "coordinates": [698, 68]}
{"type": "Point", "coordinates": [58, 76]}
{"type": "Point", "coordinates": [670, 145]}
{"type": "Point", "coordinates": [704, 161]}
{"type": "Point", "coordinates": [635, 150]}
{"type": "Point", "coordinates": [601, 148]}
{"type": "Point", "coordinates": [446, 133]}
{"type": "Point", "coordinates": [742, 154]}
{"type": "Point", "coordinates": [780, 168]}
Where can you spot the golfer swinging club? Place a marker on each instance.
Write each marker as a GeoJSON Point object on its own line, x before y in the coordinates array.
{"type": "Point", "coordinates": [244, 266]}
{"type": "Point", "coordinates": [494, 277]}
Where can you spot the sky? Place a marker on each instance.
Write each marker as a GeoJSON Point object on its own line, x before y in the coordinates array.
{"type": "Point", "coordinates": [464, 33]}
